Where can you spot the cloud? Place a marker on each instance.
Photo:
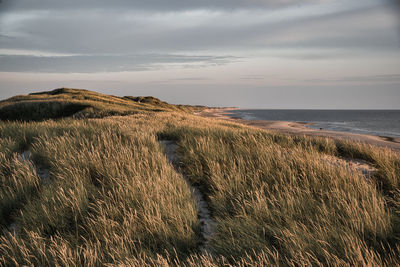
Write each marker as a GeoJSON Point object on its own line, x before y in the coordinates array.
{"type": "Point", "coordinates": [381, 78]}
{"type": "Point", "coordinates": [190, 79]}
{"type": "Point", "coordinates": [133, 31]}
{"type": "Point", "coordinates": [287, 41]}
{"type": "Point", "coordinates": [313, 54]}
{"type": "Point", "coordinates": [252, 77]}
{"type": "Point", "coordinates": [372, 78]}
{"type": "Point", "coordinates": [152, 5]}
{"type": "Point", "coordinates": [103, 63]}
{"type": "Point", "coordinates": [4, 36]}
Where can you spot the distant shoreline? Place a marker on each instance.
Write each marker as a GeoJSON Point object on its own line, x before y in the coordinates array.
{"type": "Point", "coordinates": [298, 128]}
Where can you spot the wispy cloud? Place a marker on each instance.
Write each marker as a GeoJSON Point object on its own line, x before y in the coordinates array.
{"type": "Point", "coordinates": [191, 79]}
{"type": "Point", "coordinates": [253, 77]}
{"type": "Point", "coordinates": [381, 78]}
{"type": "Point", "coordinates": [102, 63]}
{"type": "Point", "coordinates": [154, 5]}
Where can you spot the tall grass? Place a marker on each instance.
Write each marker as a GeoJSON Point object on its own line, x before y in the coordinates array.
{"type": "Point", "coordinates": [78, 103]}
{"type": "Point", "coordinates": [113, 197]}
{"type": "Point", "coordinates": [276, 194]}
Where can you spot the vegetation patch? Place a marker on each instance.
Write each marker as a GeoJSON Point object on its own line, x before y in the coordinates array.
{"type": "Point", "coordinates": [115, 199]}
{"type": "Point", "coordinates": [79, 103]}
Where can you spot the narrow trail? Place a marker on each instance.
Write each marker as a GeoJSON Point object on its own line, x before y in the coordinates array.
{"type": "Point", "coordinates": [41, 172]}
{"type": "Point", "coordinates": [207, 223]}
{"type": "Point", "coordinates": [366, 169]}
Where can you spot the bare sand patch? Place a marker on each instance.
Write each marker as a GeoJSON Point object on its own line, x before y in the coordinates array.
{"type": "Point", "coordinates": [207, 223]}
{"type": "Point", "coordinates": [358, 165]}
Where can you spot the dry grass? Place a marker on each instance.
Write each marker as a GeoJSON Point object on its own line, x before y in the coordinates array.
{"type": "Point", "coordinates": [115, 199]}
{"type": "Point", "coordinates": [277, 195]}
{"type": "Point", "coordinates": [113, 195]}
{"type": "Point", "coordinates": [78, 103]}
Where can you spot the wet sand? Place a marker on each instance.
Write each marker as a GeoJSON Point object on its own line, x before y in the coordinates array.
{"type": "Point", "coordinates": [302, 129]}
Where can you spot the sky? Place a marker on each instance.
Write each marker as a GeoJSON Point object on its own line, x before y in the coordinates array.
{"type": "Point", "coordinates": [288, 54]}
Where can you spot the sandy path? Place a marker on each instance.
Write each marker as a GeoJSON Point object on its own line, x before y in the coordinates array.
{"type": "Point", "coordinates": [204, 214]}
{"type": "Point", "coordinates": [302, 129]}
{"type": "Point", "coordinates": [13, 228]}
{"type": "Point", "coordinates": [357, 165]}
{"type": "Point", "coordinates": [42, 173]}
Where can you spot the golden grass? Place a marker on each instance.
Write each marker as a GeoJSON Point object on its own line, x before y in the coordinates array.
{"type": "Point", "coordinates": [78, 103]}
{"type": "Point", "coordinates": [115, 199]}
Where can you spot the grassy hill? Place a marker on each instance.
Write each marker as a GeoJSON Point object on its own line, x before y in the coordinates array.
{"type": "Point", "coordinates": [78, 103]}
{"type": "Point", "coordinates": [101, 192]}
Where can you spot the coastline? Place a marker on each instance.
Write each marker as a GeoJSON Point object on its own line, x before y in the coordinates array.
{"type": "Point", "coordinates": [297, 128]}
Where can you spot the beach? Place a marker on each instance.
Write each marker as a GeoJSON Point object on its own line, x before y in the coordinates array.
{"type": "Point", "coordinates": [296, 128]}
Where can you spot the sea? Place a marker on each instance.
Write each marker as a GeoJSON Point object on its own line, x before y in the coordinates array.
{"type": "Point", "coordinates": [372, 122]}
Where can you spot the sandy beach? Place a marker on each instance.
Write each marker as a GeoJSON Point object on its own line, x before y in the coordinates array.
{"type": "Point", "coordinates": [302, 129]}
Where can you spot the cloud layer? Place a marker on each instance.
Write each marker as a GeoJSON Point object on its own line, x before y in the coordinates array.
{"type": "Point", "coordinates": [144, 27]}
{"type": "Point", "coordinates": [243, 41]}
{"type": "Point", "coordinates": [153, 5]}
{"type": "Point", "coordinates": [103, 63]}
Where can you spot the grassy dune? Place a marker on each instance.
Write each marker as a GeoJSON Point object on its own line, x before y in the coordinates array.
{"type": "Point", "coordinates": [113, 197]}
{"type": "Point", "coordinates": [78, 103]}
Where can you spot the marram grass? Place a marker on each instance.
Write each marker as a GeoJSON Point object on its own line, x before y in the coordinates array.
{"type": "Point", "coordinates": [114, 199]}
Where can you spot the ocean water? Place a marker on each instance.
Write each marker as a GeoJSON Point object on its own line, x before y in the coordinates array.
{"type": "Point", "coordinates": [372, 122]}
